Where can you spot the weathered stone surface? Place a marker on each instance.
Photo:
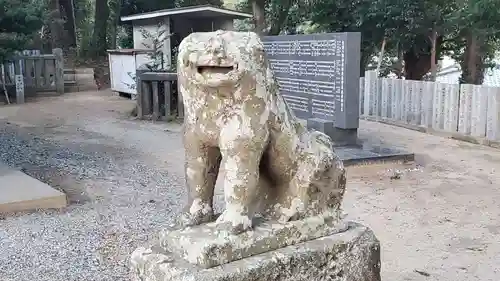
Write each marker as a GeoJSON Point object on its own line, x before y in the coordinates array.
{"type": "Point", "coordinates": [493, 120]}
{"type": "Point", "coordinates": [479, 110]}
{"type": "Point", "coordinates": [236, 119]}
{"type": "Point", "coordinates": [208, 246]}
{"type": "Point", "coordinates": [353, 255]}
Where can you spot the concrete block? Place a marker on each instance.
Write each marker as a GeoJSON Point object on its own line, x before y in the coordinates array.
{"type": "Point", "coordinates": [339, 136]}
{"type": "Point", "coordinates": [398, 99]}
{"type": "Point", "coordinates": [416, 106]}
{"type": "Point", "coordinates": [493, 114]}
{"type": "Point", "coordinates": [392, 98]}
{"type": "Point", "coordinates": [451, 104]}
{"type": "Point", "coordinates": [438, 107]}
{"type": "Point", "coordinates": [371, 102]}
{"type": "Point", "coordinates": [465, 109]}
{"type": "Point", "coordinates": [406, 102]}
{"type": "Point", "coordinates": [427, 104]}
{"type": "Point", "coordinates": [384, 100]}
{"type": "Point", "coordinates": [361, 96]}
{"type": "Point", "coordinates": [352, 255]}
{"type": "Point", "coordinates": [20, 192]}
{"type": "Point", "coordinates": [208, 246]}
{"type": "Point", "coordinates": [84, 71]}
{"type": "Point", "coordinates": [479, 111]}
{"type": "Point", "coordinates": [378, 107]}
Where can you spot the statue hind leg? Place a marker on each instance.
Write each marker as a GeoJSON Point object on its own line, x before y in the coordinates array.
{"type": "Point", "coordinates": [316, 188]}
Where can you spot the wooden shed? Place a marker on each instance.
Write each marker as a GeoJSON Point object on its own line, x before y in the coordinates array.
{"type": "Point", "coordinates": [175, 24]}
{"type": "Point", "coordinates": [180, 22]}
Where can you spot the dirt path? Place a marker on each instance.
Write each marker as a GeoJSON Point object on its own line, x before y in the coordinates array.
{"type": "Point", "coordinates": [124, 177]}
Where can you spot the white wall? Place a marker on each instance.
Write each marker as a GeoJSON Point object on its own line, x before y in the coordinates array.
{"type": "Point", "coordinates": [152, 26]}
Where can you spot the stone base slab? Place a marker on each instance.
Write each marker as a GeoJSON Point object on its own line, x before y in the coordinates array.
{"type": "Point", "coordinates": [340, 137]}
{"type": "Point", "coordinates": [20, 192]}
{"type": "Point", "coordinates": [352, 255]}
{"type": "Point", "coordinates": [209, 245]}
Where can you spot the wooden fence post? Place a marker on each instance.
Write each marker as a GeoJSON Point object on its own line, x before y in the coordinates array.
{"type": "Point", "coordinates": [180, 104]}
{"type": "Point", "coordinates": [156, 103]}
{"type": "Point", "coordinates": [140, 92]}
{"type": "Point", "coordinates": [168, 98]}
{"type": "Point", "coordinates": [59, 65]}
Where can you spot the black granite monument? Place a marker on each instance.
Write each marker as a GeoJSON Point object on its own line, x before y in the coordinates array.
{"type": "Point", "coordinates": [318, 76]}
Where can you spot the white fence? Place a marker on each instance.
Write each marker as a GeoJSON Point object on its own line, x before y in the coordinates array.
{"type": "Point", "coordinates": [470, 110]}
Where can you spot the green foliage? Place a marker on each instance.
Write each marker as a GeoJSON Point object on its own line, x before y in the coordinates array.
{"type": "Point", "coordinates": [157, 39]}
{"type": "Point", "coordinates": [84, 21]}
{"type": "Point", "coordinates": [125, 39]}
{"type": "Point", "coordinates": [19, 21]}
{"type": "Point", "coordinates": [281, 15]}
{"type": "Point", "coordinates": [130, 7]}
{"type": "Point", "coordinates": [407, 26]}
{"type": "Point", "coordinates": [476, 37]}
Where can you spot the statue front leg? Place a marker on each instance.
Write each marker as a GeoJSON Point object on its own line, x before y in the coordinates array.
{"type": "Point", "coordinates": [201, 170]}
{"type": "Point", "coordinates": [240, 161]}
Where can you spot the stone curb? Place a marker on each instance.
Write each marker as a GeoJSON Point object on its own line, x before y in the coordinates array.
{"type": "Point", "coordinates": [422, 129]}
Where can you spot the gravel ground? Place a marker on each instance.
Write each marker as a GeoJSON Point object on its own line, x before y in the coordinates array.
{"type": "Point", "coordinates": [119, 199]}
{"type": "Point", "coordinates": [124, 180]}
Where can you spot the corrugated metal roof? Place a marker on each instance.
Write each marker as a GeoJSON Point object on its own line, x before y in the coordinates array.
{"type": "Point", "coordinates": [201, 10]}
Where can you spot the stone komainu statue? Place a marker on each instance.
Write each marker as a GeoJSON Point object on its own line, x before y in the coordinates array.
{"type": "Point", "coordinates": [236, 120]}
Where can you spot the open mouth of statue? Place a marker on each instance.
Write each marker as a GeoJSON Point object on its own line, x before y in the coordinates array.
{"type": "Point", "coordinates": [203, 70]}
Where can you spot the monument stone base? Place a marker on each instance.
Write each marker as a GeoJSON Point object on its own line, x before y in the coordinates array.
{"type": "Point", "coordinates": [350, 255]}
{"type": "Point", "coordinates": [340, 137]}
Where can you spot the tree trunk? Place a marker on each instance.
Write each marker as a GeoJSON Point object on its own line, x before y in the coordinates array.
{"type": "Point", "coordinates": [399, 64]}
{"type": "Point", "coordinates": [69, 25]}
{"type": "Point", "coordinates": [283, 10]}
{"type": "Point", "coordinates": [381, 56]}
{"type": "Point", "coordinates": [364, 60]}
{"type": "Point", "coordinates": [433, 38]}
{"type": "Point", "coordinates": [259, 16]}
{"type": "Point", "coordinates": [115, 22]}
{"type": "Point", "coordinates": [99, 42]}
{"type": "Point", "coordinates": [473, 62]}
{"type": "Point", "coordinates": [56, 25]}
{"type": "Point", "coordinates": [416, 66]}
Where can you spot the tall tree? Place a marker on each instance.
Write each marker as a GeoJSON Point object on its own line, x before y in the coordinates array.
{"type": "Point", "coordinates": [99, 38]}
{"type": "Point", "coordinates": [114, 22]}
{"type": "Point", "coordinates": [477, 35]}
{"type": "Point", "coordinates": [411, 31]}
{"type": "Point", "coordinates": [84, 24]}
{"type": "Point", "coordinates": [56, 24]}
{"type": "Point", "coordinates": [352, 16]}
{"type": "Point", "coordinates": [67, 11]}
{"type": "Point", "coordinates": [19, 21]}
{"type": "Point", "coordinates": [270, 17]}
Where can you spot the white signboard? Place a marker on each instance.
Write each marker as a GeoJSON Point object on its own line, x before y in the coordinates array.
{"type": "Point", "coordinates": [19, 89]}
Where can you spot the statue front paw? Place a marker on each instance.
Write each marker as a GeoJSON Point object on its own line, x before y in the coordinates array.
{"type": "Point", "coordinates": [187, 219]}
{"type": "Point", "coordinates": [234, 222]}
{"type": "Point", "coordinates": [197, 214]}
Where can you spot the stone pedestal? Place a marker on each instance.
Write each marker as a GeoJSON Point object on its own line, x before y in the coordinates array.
{"type": "Point", "coordinates": [340, 137]}
{"type": "Point", "coordinates": [353, 254]}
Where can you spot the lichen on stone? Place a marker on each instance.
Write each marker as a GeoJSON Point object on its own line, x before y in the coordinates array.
{"type": "Point", "coordinates": [236, 120]}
